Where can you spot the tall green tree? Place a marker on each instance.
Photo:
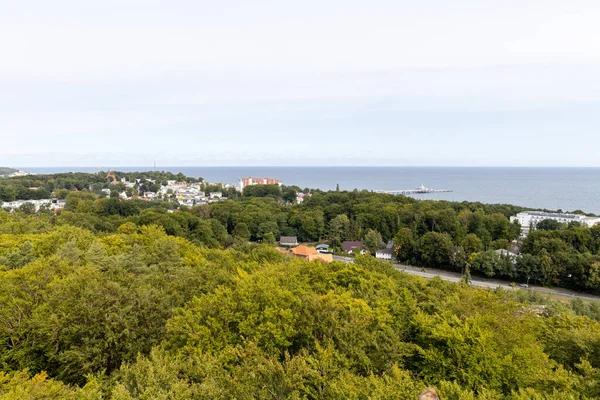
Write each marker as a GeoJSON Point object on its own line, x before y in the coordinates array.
{"type": "Point", "coordinates": [435, 249]}
{"type": "Point", "coordinates": [372, 241]}
{"type": "Point", "coordinates": [405, 245]}
{"type": "Point", "coordinates": [338, 230]}
{"type": "Point", "coordinates": [241, 231]}
{"type": "Point", "coordinates": [471, 244]}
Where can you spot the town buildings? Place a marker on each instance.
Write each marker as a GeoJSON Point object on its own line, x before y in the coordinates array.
{"type": "Point", "coordinates": [300, 197]}
{"type": "Point", "coordinates": [185, 194]}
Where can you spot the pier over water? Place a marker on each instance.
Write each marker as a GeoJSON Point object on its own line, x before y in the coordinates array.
{"type": "Point", "coordinates": [419, 190]}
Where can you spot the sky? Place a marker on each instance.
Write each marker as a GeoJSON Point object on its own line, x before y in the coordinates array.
{"type": "Point", "coordinates": [198, 83]}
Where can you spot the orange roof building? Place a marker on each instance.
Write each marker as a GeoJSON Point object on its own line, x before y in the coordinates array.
{"type": "Point", "coordinates": [304, 251]}
{"type": "Point", "coordinates": [321, 257]}
{"type": "Point", "coordinates": [310, 254]}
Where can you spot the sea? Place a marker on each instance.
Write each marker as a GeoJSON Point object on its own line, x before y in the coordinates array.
{"type": "Point", "coordinates": [564, 189]}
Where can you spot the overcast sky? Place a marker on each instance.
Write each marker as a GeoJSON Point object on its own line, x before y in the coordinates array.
{"type": "Point", "coordinates": [432, 82]}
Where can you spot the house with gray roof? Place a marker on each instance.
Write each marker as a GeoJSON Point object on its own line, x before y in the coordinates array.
{"type": "Point", "coordinates": [387, 253]}
{"type": "Point", "coordinates": [352, 246]}
{"type": "Point", "coordinates": [288, 241]}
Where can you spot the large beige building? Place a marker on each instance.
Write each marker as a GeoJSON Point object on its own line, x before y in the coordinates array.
{"type": "Point", "coordinates": [257, 181]}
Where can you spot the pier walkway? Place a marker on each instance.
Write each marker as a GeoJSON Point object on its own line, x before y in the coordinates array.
{"type": "Point", "coordinates": [420, 190]}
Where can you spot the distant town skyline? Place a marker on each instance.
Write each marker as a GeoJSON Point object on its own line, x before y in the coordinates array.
{"type": "Point", "coordinates": [264, 83]}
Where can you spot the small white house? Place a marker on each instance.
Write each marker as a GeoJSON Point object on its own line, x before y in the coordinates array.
{"type": "Point", "coordinates": [187, 202]}
{"type": "Point", "coordinates": [507, 253]}
{"type": "Point", "coordinates": [322, 248]}
{"type": "Point", "coordinates": [387, 253]}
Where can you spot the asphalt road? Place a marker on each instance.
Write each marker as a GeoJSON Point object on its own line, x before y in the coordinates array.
{"type": "Point", "coordinates": [481, 282]}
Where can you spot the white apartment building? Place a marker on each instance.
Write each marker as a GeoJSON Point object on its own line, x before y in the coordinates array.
{"type": "Point", "coordinates": [529, 218]}
{"type": "Point", "coordinates": [53, 204]}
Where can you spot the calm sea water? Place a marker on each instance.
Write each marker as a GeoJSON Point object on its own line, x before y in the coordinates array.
{"type": "Point", "coordinates": [567, 189]}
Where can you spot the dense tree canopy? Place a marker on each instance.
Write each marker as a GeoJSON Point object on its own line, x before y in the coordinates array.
{"type": "Point", "coordinates": [140, 314]}
{"type": "Point", "coordinates": [119, 299]}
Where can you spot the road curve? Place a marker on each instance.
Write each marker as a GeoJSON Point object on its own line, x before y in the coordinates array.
{"type": "Point", "coordinates": [481, 282]}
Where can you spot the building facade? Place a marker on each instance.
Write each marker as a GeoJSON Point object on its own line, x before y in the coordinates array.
{"type": "Point", "coordinates": [353, 247]}
{"type": "Point", "coordinates": [529, 219]}
{"type": "Point", "coordinates": [257, 181]}
{"type": "Point", "coordinates": [387, 253]}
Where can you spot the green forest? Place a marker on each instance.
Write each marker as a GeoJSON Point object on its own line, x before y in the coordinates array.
{"type": "Point", "coordinates": [140, 314]}
{"type": "Point", "coordinates": [6, 171]}
{"type": "Point", "coordinates": [114, 299]}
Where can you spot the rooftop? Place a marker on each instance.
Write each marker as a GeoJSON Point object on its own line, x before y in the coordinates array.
{"type": "Point", "coordinates": [387, 250]}
{"type": "Point", "coordinates": [304, 251]}
{"type": "Point", "coordinates": [504, 252]}
{"type": "Point", "coordinates": [554, 215]}
{"type": "Point", "coordinates": [288, 239]}
{"type": "Point", "coordinates": [351, 245]}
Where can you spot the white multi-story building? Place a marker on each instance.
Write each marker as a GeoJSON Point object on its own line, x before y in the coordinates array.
{"type": "Point", "coordinates": [187, 202]}
{"type": "Point", "coordinates": [52, 204]}
{"type": "Point", "coordinates": [531, 218]}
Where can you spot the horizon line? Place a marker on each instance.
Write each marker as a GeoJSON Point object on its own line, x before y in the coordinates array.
{"type": "Point", "coordinates": [156, 168]}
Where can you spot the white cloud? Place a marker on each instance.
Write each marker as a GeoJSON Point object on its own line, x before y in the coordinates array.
{"type": "Point", "coordinates": [243, 82]}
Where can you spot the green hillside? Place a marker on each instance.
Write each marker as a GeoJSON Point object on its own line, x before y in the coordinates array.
{"type": "Point", "coordinates": [6, 171]}
{"type": "Point", "coordinates": [139, 314]}
{"type": "Point", "coordinates": [131, 299]}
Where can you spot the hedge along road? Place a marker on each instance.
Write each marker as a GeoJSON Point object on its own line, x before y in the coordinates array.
{"type": "Point", "coordinates": [481, 282]}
